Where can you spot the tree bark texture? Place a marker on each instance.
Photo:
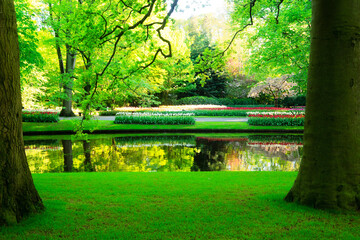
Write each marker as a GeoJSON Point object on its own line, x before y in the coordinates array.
{"type": "Point", "coordinates": [18, 196]}
{"type": "Point", "coordinates": [329, 175]}
{"type": "Point", "coordinates": [68, 83]}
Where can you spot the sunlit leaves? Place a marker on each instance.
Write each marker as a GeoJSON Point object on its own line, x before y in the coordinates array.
{"type": "Point", "coordinates": [28, 41]}
{"type": "Point", "coordinates": [279, 39]}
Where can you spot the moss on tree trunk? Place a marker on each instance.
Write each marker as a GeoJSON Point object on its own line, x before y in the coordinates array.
{"type": "Point", "coordinates": [18, 196]}
{"type": "Point", "coordinates": [329, 175]}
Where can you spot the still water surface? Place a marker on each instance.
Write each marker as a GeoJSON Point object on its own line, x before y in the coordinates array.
{"type": "Point", "coordinates": [152, 153]}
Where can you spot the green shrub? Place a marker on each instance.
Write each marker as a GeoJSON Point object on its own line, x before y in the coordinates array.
{"type": "Point", "coordinates": [164, 120]}
{"type": "Point", "coordinates": [226, 101]}
{"type": "Point", "coordinates": [197, 100]}
{"type": "Point", "coordinates": [40, 117]}
{"type": "Point", "coordinates": [294, 101]}
{"type": "Point", "coordinates": [245, 101]}
{"type": "Point", "coordinates": [238, 113]}
{"type": "Point", "coordinates": [239, 101]}
{"type": "Point", "coordinates": [108, 113]}
{"type": "Point", "coordinates": [276, 121]}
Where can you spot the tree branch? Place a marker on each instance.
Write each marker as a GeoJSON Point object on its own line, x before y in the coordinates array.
{"type": "Point", "coordinates": [252, 4]}
{"type": "Point", "coordinates": [278, 11]}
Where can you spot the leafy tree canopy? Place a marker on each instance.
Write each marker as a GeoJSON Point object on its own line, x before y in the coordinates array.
{"type": "Point", "coordinates": [278, 35]}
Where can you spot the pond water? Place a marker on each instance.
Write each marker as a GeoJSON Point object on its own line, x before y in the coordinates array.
{"type": "Point", "coordinates": [164, 152]}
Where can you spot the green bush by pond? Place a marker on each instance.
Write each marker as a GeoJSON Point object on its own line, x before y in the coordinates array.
{"type": "Point", "coordinates": [162, 120]}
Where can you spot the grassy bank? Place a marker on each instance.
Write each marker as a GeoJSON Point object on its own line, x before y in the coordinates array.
{"type": "Point", "coordinates": [206, 205]}
{"type": "Point", "coordinates": [68, 125]}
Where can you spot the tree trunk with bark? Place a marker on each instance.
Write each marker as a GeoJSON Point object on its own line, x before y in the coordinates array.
{"type": "Point", "coordinates": [18, 196]}
{"type": "Point", "coordinates": [329, 175]}
{"type": "Point", "coordinates": [68, 83]}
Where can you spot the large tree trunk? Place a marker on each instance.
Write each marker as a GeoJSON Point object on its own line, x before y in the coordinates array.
{"type": "Point", "coordinates": [18, 196]}
{"type": "Point", "coordinates": [329, 175]}
{"type": "Point", "coordinates": [68, 83]}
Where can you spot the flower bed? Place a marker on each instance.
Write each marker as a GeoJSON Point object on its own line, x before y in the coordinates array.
{"type": "Point", "coordinates": [238, 113]}
{"type": "Point", "coordinates": [166, 114]}
{"type": "Point", "coordinates": [248, 108]}
{"type": "Point", "coordinates": [241, 113]}
{"type": "Point", "coordinates": [40, 116]}
{"type": "Point", "coordinates": [145, 119]}
{"type": "Point", "coordinates": [276, 121]}
{"type": "Point", "coordinates": [286, 118]}
{"type": "Point", "coordinates": [285, 114]}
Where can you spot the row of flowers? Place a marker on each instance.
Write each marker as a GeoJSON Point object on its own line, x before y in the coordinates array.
{"type": "Point", "coordinates": [277, 115]}
{"type": "Point", "coordinates": [151, 120]}
{"type": "Point", "coordinates": [153, 114]}
{"type": "Point", "coordinates": [39, 112]}
{"type": "Point", "coordinates": [277, 118]}
{"type": "Point", "coordinates": [200, 107]}
{"type": "Point", "coordinates": [168, 108]}
{"type": "Point", "coordinates": [249, 108]}
{"type": "Point", "coordinates": [40, 116]}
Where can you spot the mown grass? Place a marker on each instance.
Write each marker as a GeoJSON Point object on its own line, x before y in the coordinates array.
{"type": "Point", "coordinates": [202, 205]}
{"type": "Point", "coordinates": [68, 125]}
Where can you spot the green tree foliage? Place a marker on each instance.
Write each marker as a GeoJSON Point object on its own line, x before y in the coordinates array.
{"type": "Point", "coordinates": [116, 44]}
{"type": "Point", "coordinates": [176, 70]}
{"type": "Point", "coordinates": [278, 35]}
{"type": "Point", "coordinates": [210, 77]}
{"type": "Point", "coordinates": [30, 58]}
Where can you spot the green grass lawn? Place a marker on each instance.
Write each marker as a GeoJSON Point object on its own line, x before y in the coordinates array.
{"type": "Point", "coordinates": [201, 205]}
{"type": "Point", "coordinates": [64, 125]}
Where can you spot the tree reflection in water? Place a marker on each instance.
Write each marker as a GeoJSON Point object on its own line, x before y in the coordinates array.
{"type": "Point", "coordinates": [166, 153]}
{"type": "Point", "coordinates": [68, 155]}
{"type": "Point", "coordinates": [87, 154]}
{"type": "Point", "coordinates": [211, 156]}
